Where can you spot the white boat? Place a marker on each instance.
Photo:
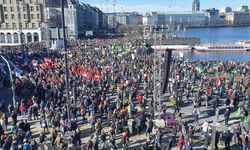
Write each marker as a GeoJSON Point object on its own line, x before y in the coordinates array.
{"type": "Point", "coordinates": [233, 47]}
{"type": "Point", "coordinates": [246, 43]}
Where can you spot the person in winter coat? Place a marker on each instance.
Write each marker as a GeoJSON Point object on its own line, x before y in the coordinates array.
{"type": "Point", "coordinates": [22, 109]}
{"type": "Point", "coordinates": [228, 139]}
{"type": "Point", "coordinates": [180, 142]}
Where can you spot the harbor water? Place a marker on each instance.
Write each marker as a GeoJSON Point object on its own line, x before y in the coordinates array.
{"type": "Point", "coordinates": [223, 56]}
{"type": "Point", "coordinates": [217, 35]}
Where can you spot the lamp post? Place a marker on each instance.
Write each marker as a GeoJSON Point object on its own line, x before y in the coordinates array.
{"type": "Point", "coordinates": [65, 60]}
{"type": "Point", "coordinates": [11, 80]}
{"type": "Point", "coordinates": [20, 26]}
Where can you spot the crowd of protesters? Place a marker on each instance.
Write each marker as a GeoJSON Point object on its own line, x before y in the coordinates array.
{"type": "Point", "coordinates": [111, 81]}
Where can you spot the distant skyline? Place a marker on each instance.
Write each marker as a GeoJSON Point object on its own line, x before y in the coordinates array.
{"type": "Point", "coordinates": [162, 5]}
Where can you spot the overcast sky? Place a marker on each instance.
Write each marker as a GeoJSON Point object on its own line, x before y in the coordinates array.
{"type": "Point", "coordinates": [162, 5]}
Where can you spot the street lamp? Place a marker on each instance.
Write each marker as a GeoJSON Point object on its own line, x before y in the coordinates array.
{"type": "Point", "coordinates": [20, 26]}
{"type": "Point", "coordinates": [11, 80]}
{"type": "Point", "coordinates": [65, 60]}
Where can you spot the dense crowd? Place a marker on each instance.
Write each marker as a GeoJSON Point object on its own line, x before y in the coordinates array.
{"type": "Point", "coordinates": [111, 83]}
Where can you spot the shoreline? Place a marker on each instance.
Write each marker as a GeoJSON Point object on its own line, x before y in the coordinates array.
{"type": "Point", "coordinates": [219, 26]}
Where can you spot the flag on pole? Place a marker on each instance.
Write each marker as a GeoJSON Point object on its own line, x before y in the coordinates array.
{"type": "Point", "coordinates": [199, 69]}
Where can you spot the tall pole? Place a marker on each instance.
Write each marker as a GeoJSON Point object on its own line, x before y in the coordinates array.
{"type": "Point", "coordinates": [65, 60]}
{"type": "Point", "coordinates": [20, 25]}
{"type": "Point", "coordinates": [154, 71]}
{"type": "Point", "coordinates": [11, 80]}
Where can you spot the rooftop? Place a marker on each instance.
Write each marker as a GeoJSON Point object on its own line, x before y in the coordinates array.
{"type": "Point", "coordinates": [179, 12]}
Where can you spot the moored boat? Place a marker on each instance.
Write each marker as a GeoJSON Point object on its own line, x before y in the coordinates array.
{"type": "Point", "coordinates": [233, 47]}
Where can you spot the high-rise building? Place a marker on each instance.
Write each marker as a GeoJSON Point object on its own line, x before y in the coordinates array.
{"type": "Point", "coordinates": [196, 5]}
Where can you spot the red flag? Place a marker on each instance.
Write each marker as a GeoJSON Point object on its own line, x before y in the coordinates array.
{"type": "Point", "coordinates": [47, 60]}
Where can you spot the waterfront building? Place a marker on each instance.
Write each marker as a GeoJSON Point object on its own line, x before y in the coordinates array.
{"type": "Point", "coordinates": [243, 9]}
{"type": "Point", "coordinates": [150, 19]}
{"type": "Point", "coordinates": [212, 16]}
{"type": "Point", "coordinates": [175, 18]}
{"type": "Point", "coordinates": [225, 10]}
{"type": "Point", "coordinates": [238, 18]}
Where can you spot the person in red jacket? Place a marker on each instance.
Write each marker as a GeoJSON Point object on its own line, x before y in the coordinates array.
{"type": "Point", "coordinates": [22, 109]}
{"type": "Point", "coordinates": [139, 99]}
{"type": "Point", "coordinates": [180, 142]}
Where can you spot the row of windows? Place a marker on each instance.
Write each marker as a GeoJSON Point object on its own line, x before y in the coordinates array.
{"type": "Point", "coordinates": [233, 47]}
{"type": "Point", "coordinates": [12, 16]}
{"type": "Point", "coordinates": [5, 9]}
{"type": "Point", "coordinates": [14, 25]}
{"type": "Point", "coordinates": [17, 1]}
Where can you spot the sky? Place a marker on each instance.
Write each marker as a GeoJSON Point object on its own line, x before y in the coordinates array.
{"type": "Point", "coordinates": [162, 5]}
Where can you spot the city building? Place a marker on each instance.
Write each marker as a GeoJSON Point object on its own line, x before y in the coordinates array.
{"type": "Point", "coordinates": [196, 5]}
{"type": "Point", "coordinates": [111, 20]}
{"type": "Point", "coordinates": [150, 19]}
{"type": "Point", "coordinates": [21, 21]}
{"type": "Point", "coordinates": [138, 19]}
{"type": "Point", "coordinates": [123, 18]}
{"type": "Point", "coordinates": [225, 10]}
{"type": "Point", "coordinates": [238, 18]}
{"type": "Point", "coordinates": [243, 8]}
{"type": "Point", "coordinates": [175, 18]}
{"type": "Point", "coordinates": [24, 21]}
{"type": "Point", "coordinates": [129, 18]}
{"type": "Point", "coordinates": [213, 16]}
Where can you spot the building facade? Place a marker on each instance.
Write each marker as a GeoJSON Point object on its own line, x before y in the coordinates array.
{"type": "Point", "coordinates": [24, 21]}
{"type": "Point", "coordinates": [174, 18]}
{"type": "Point", "coordinates": [124, 18]}
{"type": "Point", "coordinates": [213, 17]}
{"type": "Point", "coordinates": [238, 18]}
{"type": "Point", "coordinates": [21, 21]}
{"type": "Point", "coordinates": [129, 18]}
{"type": "Point", "coordinates": [150, 19]}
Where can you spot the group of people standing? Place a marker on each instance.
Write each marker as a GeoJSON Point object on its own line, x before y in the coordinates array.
{"type": "Point", "coordinates": [111, 82]}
